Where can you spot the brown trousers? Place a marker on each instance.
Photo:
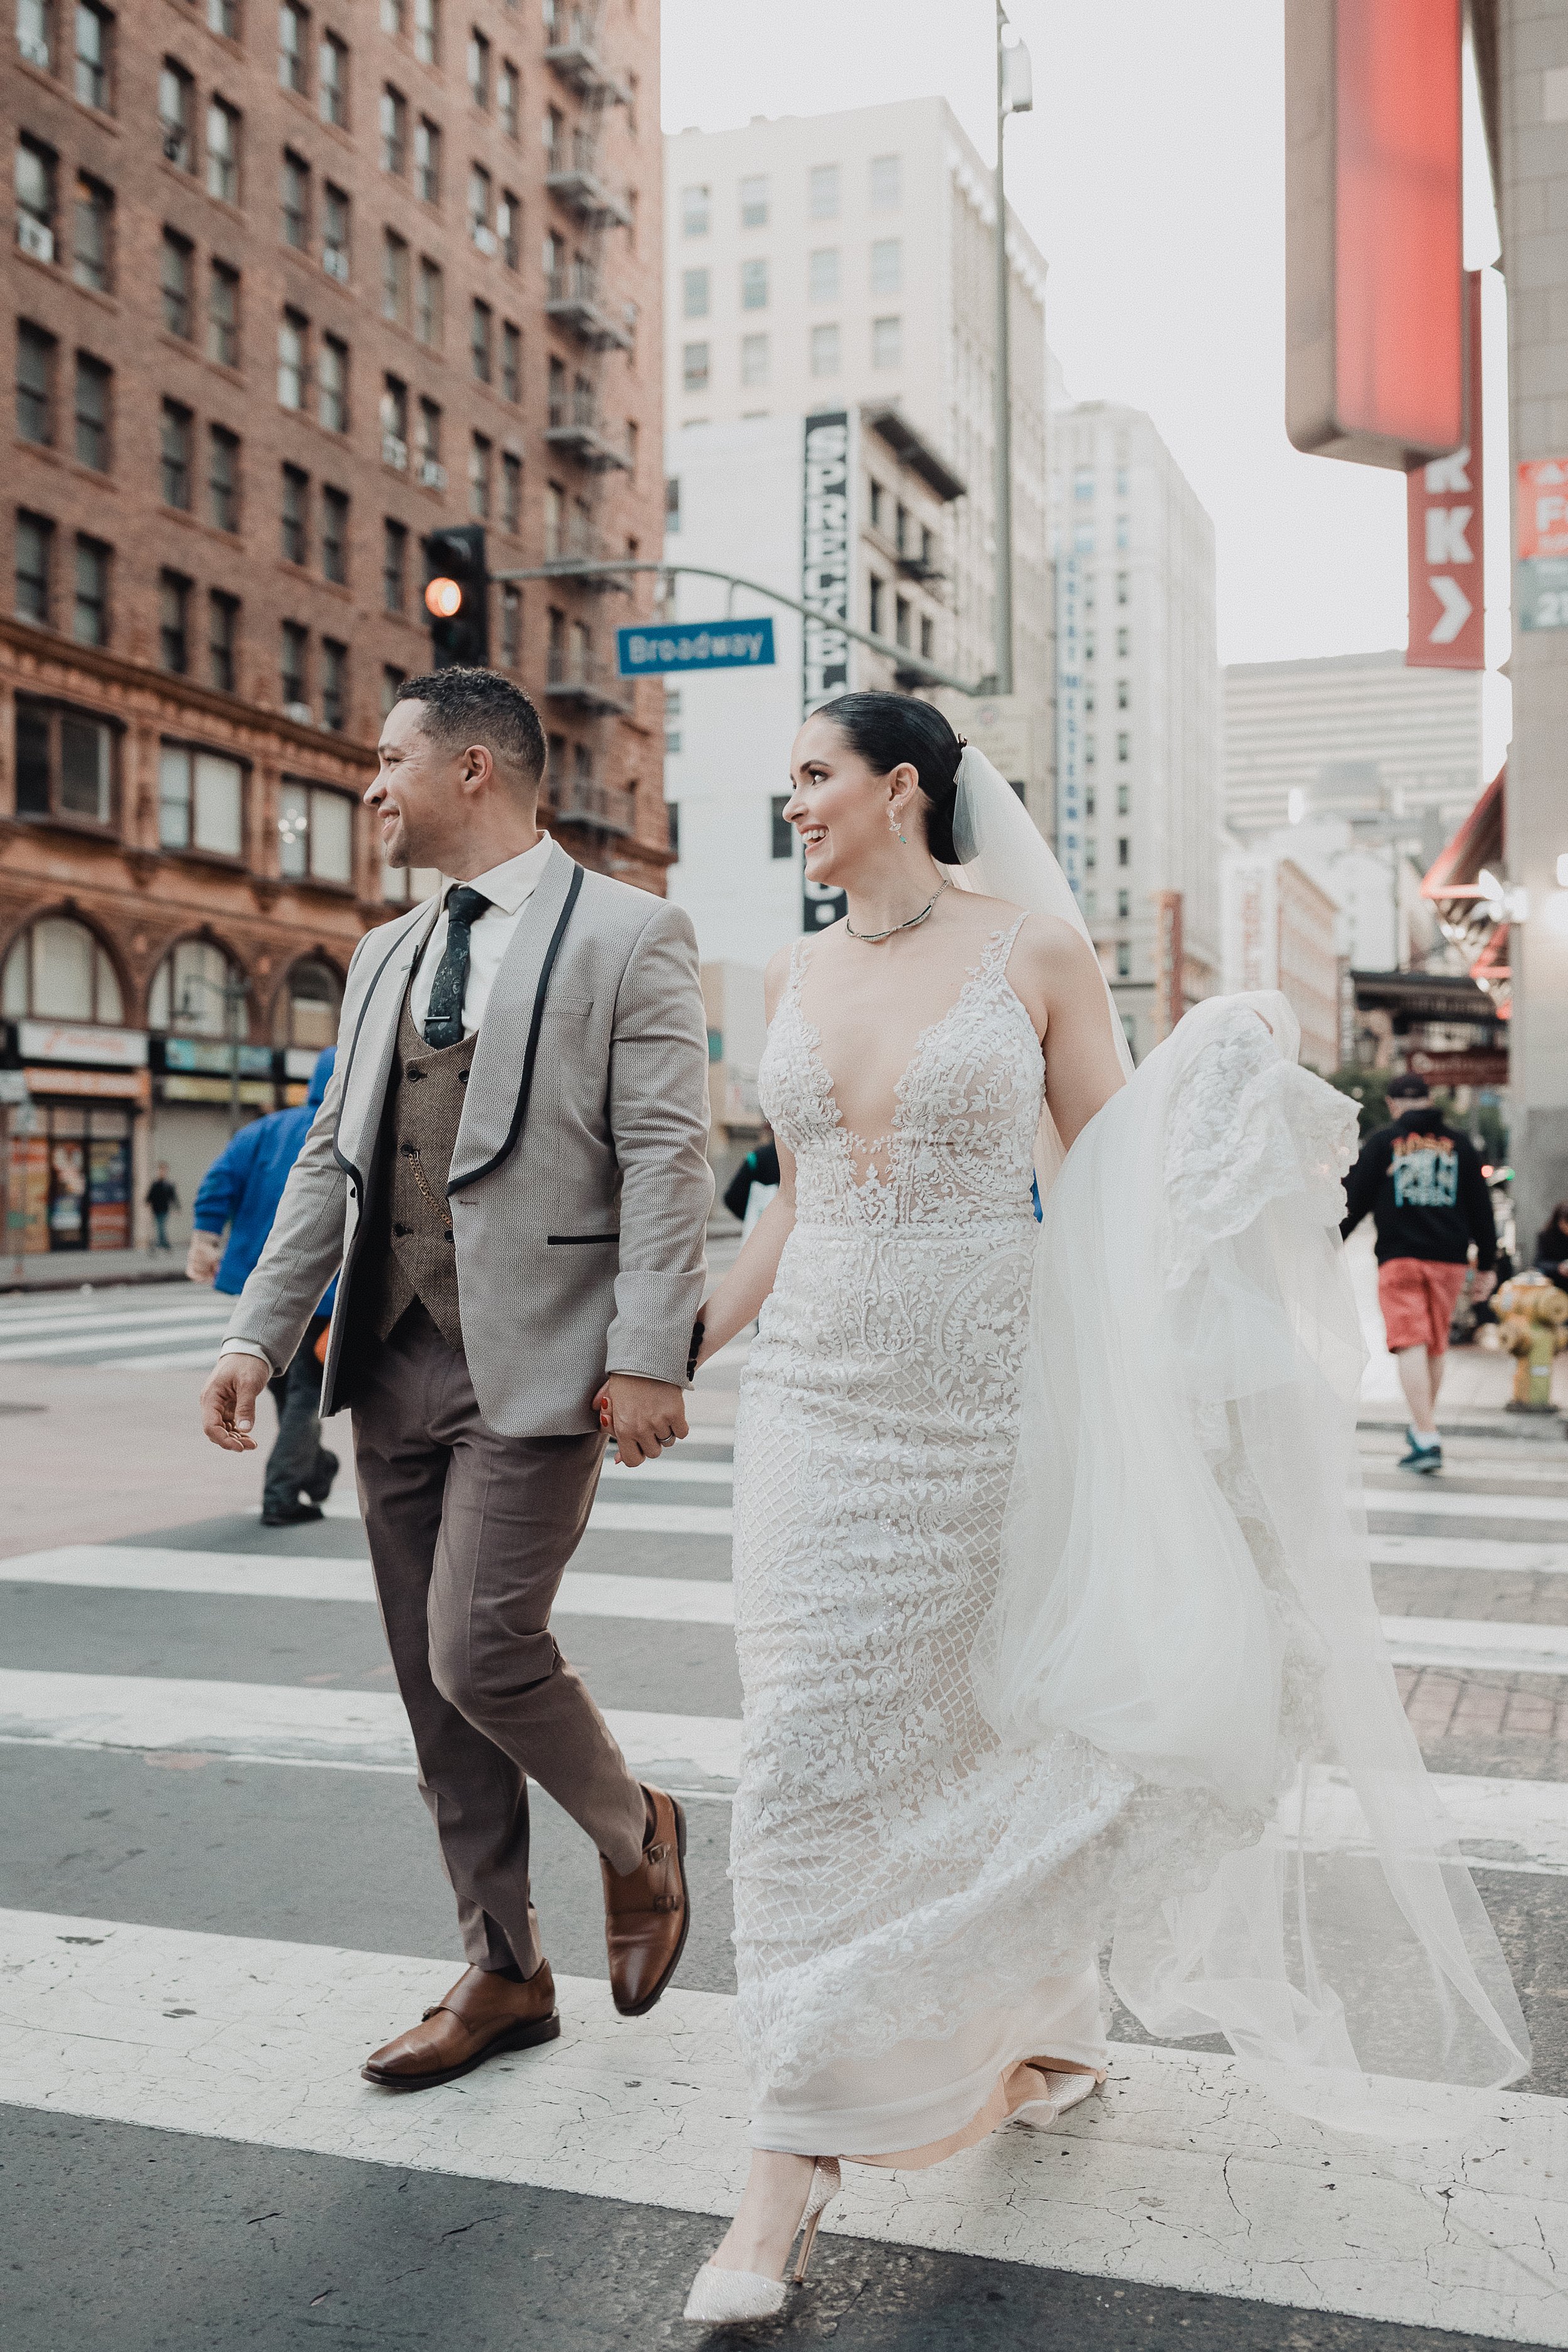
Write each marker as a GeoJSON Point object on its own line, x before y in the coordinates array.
{"type": "Point", "coordinates": [469, 1536]}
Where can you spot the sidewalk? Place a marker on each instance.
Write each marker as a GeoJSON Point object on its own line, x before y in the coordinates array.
{"type": "Point", "coordinates": [90, 1269]}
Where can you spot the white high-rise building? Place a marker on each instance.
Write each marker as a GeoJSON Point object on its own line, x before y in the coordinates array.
{"type": "Point", "coordinates": [1139, 782]}
{"type": "Point", "coordinates": [1355, 736]}
{"type": "Point", "coordinates": [829, 340]}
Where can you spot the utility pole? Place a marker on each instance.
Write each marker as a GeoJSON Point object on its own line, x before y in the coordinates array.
{"type": "Point", "coordinates": [1015, 95]}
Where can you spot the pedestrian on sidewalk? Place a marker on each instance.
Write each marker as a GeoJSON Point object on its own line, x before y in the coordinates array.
{"type": "Point", "coordinates": [241, 1190]}
{"type": "Point", "coordinates": [1430, 1203]}
{"type": "Point", "coordinates": [1552, 1248]}
{"type": "Point", "coordinates": [753, 1184]}
{"type": "Point", "coordinates": [162, 1199]}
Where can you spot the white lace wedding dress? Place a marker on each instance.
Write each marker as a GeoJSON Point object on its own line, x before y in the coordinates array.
{"type": "Point", "coordinates": [891, 1861]}
{"type": "Point", "coordinates": [1172, 1563]}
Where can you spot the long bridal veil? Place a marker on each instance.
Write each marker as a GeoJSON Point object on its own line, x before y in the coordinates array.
{"type": "Point", "coordinates": [1186, 1580]}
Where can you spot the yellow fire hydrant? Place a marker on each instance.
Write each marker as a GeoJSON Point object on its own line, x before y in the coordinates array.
{"type": "Point", "coordinates": [1532, 1317]}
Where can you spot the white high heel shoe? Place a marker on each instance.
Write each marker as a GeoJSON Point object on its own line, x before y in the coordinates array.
{"type": "Point", "coordinates": [724, 2298]}
{"type": "Point", "coordinates": [1066, 2091]}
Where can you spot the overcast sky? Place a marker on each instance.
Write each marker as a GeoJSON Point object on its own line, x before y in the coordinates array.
{"type": "Point", "coordinates": [1151, 175]}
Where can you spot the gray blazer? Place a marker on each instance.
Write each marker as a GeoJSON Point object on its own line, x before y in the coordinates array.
{"type": "Point", "coordinates": [580, 1184]}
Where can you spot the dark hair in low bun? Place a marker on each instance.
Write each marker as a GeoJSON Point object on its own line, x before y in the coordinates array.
{"type": "Point", "coordinates": [890, 730]}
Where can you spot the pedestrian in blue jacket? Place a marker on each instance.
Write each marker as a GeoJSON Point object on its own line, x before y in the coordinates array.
{"type": "Point", "coordinates": [241, 1190]}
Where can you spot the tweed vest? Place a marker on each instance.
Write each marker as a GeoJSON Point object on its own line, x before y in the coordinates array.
{"type": "Point", "coordinates": [418, 1131]}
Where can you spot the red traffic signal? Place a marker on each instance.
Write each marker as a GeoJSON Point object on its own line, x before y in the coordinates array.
{"type": "Point", "coordinates": [458, 597]}
{"type": "Point", "coordinates": [444, 598]}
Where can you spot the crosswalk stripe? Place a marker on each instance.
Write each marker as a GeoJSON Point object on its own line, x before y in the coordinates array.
{"type": "Point", "coordinates": [1479, 1552]}
{"type": "Point", "coordinates": [1514, 1825]}
{"type": "Point", "coordinates": [65, 1313]}
{"type": "Point", "coordinates": [1181, 2174]}
{"type": "Point", "coordinates": [285, 1724]}
{"type": "Point", "coordinates": [673, 1470]}
{"type": "Point", "coordinates": [104, 1343]}
{"type": "Point", "coordinates": [609, 1518]}
{"type": "Point", "coordinates": [1428, 1501]}
{"type": "Point", "coordinates": [128, 1567]}
{"type": "Point", "coordinates": [1471, 1645]}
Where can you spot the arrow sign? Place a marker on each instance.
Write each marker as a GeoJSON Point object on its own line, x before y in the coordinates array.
{"type": "Point", "coordinates": [1456, 609]}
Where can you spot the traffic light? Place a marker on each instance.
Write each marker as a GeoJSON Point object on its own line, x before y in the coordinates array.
{"type": "Point", "coordinates": [458, 597]}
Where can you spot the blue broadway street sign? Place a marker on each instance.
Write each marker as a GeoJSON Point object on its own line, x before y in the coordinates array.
{"type": "Point", "coordinates": [695, 644]}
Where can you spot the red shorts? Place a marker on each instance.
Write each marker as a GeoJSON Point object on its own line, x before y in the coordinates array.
{"type": "Point", "coordinates": [1419, 1296]}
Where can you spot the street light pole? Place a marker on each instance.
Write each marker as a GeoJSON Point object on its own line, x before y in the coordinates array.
{"type": "Point", "coordinates": [1004, 393]}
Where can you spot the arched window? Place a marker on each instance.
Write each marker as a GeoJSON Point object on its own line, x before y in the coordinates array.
{"type": "Point", "coordinates": [57, 971]}
{"type": "Point", "coordinates": [307, 1006]}
{"type": "Point", "coordinates": [196, 992]}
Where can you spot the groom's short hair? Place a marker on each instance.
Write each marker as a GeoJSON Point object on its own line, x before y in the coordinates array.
{"type": "Point", "coordinates": [480, 706]}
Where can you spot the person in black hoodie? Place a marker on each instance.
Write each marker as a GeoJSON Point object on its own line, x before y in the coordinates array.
{"type": "Point", "coordinates": [1552, 1248]}
{"type": "Point", "coordinates": [1429, 1202]}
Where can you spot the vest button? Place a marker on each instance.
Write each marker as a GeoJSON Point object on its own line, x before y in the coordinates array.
{"type": "Point", "coordinates": [462, 1077]}
{"type": "Point", "coordinates": [403, 1231]}
{"type": "Point", "coordinates": [410, 1072]}
{"type": "Point", "coordinates": [409, 1151]}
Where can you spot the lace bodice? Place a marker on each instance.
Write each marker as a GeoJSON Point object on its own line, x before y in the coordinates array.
{"type": "Point", "coordinates": [961, 1149]}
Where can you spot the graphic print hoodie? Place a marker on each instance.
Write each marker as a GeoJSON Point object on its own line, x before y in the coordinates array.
{"type": "Point", "coordinates": [1424, 1186]}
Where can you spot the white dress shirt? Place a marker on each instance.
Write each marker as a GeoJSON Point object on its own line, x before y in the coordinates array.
{"type": "Point", "coordinates": [508, 887]}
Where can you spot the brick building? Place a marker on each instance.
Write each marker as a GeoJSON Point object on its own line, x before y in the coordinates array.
{"type": "Point", "coordinates": [289, 287]}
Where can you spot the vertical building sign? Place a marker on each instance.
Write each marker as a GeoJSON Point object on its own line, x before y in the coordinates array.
{"type": "Point", "coordinates": [1070, 722]}
{"type": "Point", "coordinates": [1169, 1000]}
{"type": "Point", "coordinates": [1448, 588]}
{"type": "Point", "coordinates": [824, 585]}
{"type": "Point", "coordinates": [1541, 598]}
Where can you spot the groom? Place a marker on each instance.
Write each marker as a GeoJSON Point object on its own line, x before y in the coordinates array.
{"type": "Point", "coordinates": [509, 1167]}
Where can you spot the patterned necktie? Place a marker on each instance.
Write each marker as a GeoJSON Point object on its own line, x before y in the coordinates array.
{"type": "Point", "coordinates": [443, 1021]}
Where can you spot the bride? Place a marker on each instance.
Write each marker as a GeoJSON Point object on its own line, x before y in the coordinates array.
{"type": "Point", "coordinates": [1051, 1588]}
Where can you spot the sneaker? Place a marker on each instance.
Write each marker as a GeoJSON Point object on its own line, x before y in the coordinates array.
{"type": "Point", "coordinates": [1421, 1455]}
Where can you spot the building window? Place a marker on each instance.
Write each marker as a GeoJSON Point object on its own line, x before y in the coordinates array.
{"type": "Point", "coordinates": [332, 80]}
{"type": "Point", "coordinates": [35, 200]}
{"type": "Point", "coordinates": [822, 280]}
{"type": "Point", "coordinates": [291, 332]}
{"type": "Point", "coordinates": [511, 493]}
{"type": "Point", "coordinates": [511, 626]}
{"type": "Point", "coordinates": [92, 248]}
{"type": "Point", "coordinates": [174, 453]}
{"type": "Point", "coordinates": [479, 70]}
{"type": "Point", "coordinates": [35, 378]}
{"type": "Point", "coordinates": [177, 115]}
{"type": "Point", "coordinates": [878, 601]}
{"type": "Point", "coordinates": [888, 265]}
{"type": "Point", "coordinates": [481, 326]}
{"type": "Point", "coordinates": [481, 204]}
{"type": "Point", "coordinates": [295, 514]}
{"type": "Point", "coordinates": [91, 61]}
{"type": "Point", "coordinates": [555, 531]}
{"type": "Point", "coordinates": [335, 220]}
{"type": "Point", "coordinates": [195, 985]}
{"type": "Point", "coordinates": [427, 31]}
{"type": "Point", "coordinates": [334, 685]}
{"type": "Point", "coordinates": [507, 97]}
{"type": "Point", "coordinates": [392, 681]}
{"type": "Point", "coordinates": [393, 131]}
{"type": "Point", "coordinates": [394, 279]}
{"type": "Point", "coordinates": [1124, 851]}
{"type": "Point", "coordinates": [1123, 905]}
{"type": "Point", "coordinates": [395, 424]}
{"type": "Point", "coordinates": [292, 647]}
{"type": "Point", "coordinates": [394, 566]}
{"type": "Point", "coordinates": [35, 548]}
{"type": "Point", "coordinates": [886, 342]}
{"type": "Point", "coordinates": [928, 638]}
{"type": "Point", "coordinates": [825, 351]}
{"type": "Point", "coordinates": [333, 403]}
{"type": "Point", "coordinates": [1123, 960]}
{"type": "Point", "coordinates": [57, 971]}
{"type": "Point", "coordinates": [1123, 588]}
{"type": "Point", "coordinates": [509, 228]}
{"type": "Point", "coordinates": [1123, 695]}
{"type": "Point", "coordinates": [782, 831]}
{"type": "Point", "coordinates": [755, 202]}
{"type": "Point", "coordinates": [92, 382]}
{"type": "Point", "coordinates": [511, 362]}
{"type": "Point", "coordinates": [902, 617]}
{"type": "Point", "coordinates": [64, 768]}
{"type": "Point", "coordinates": [223, 153]}
{"type": "Point", "coordinates": [428, 315]}
{"type": "Point", "coordinates": [432, 473]}
{"type": "Point", "coordinates": [223, 16]}
{"type": "Point", "coordinates": [33, 33]}
{"type": "Point", "coordinates": [223, 479]}
{"type": "Point", "coordinates": [308, 1008]}
{"type": "Point", "coordinates": [173, 622]}
{"type": "Point", "coordinates": [694, 367]}
{"type": "Point", "coordinates": [695, 211]}
{"type": "Point", "coordinates": [176, 266]}
{"type": "Point", "coordinates": [294, 48]}
{"type": "Point", "coordinates": [223, 637]}
{"type": "Point", "coordinates": [753, 360]}
{"type": "Point", "coordinates": [201, 800]}
{"type": "Point", "coordinates": [1125, 747]}
{"type": "Point", "coordinates": [91, 620]}
{"type": "Point", "coordinates": [1123, 800]}
{"type": "Point", "coordinates": [315, 835]}
{"type": "Point", "coordinates": [753, 285]}
{"type": "Point", "coordinates": [335, 536]}
{"type": "Point", "coordinates": [822, 192]}
{"type": "Point", "coordinates": [294, 197]}
{"type": "Point", "coordinates": [393, 13]}
{"type": "Point", "coordinates": [887, 183]}
{"type": "Point", "coordinates": [223, 315]}
{"type": "Point", "coordinates": [428, 161]}
{"type": "Point", "coordinates": [694, 294]}
{"type": "Point", "coordinates": [1123, 641]}
{"type": "Point", "coordinates": [479, 479]}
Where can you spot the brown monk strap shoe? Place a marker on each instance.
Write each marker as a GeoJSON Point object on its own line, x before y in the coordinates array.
{"type": "Point", "coordinates": [482, 2015]}
{"type": "Point", "coordinates": [648, 1912]}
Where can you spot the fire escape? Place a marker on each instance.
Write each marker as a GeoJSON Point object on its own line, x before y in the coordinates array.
{"type": "Point", "coordinates": [579, 679]}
